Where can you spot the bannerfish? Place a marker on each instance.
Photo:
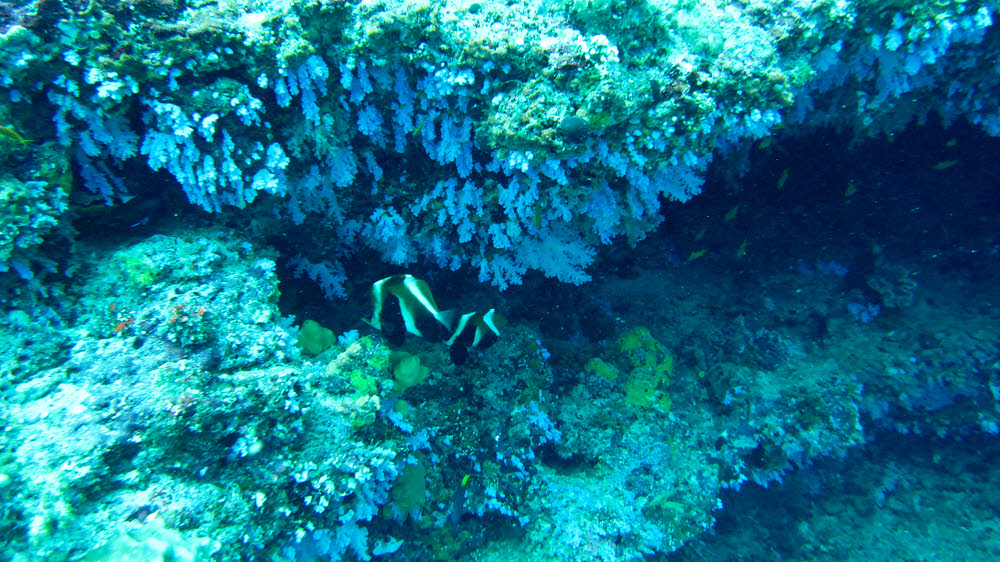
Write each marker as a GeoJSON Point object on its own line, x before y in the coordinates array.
{"type": "Point", "coordinates": [404, 304]}
{"type": "Point", "coordinates": [475, 329]}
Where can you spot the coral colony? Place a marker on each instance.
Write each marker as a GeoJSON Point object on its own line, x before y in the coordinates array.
{"type": "Point", "coordinates": [529, 280]}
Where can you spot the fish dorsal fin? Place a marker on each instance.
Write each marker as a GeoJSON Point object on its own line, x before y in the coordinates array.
{"type": "Point", "coordinates": [421, 293]}
{"type": "Point", "coordinates": [488, 327]}
{"type": "Point", "coordinates": [494, 321]}
{"type": "Point", "coordinates": [450, 319]}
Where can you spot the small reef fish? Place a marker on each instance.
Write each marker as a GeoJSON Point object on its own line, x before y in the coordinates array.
{"type": "Point", "coordinates": [12, 136]}
{"type": "Point", "coordinates": [851, 189]}
{"type": "Point", "coordinates": [475, 329]}
{"type": "Point", "coordinates": [742, 250]}
{"type": "Point", "coordinates": [782, 179]}
{"type": "Point", "coordinates": [697, 254]}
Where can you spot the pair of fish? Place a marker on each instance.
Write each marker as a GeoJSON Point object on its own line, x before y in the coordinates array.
{"type": "Point", "coordinates": [404, 304]}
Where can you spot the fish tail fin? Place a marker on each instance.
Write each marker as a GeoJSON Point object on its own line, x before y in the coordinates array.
{"type": "Point", "coordinates": [449, 319]}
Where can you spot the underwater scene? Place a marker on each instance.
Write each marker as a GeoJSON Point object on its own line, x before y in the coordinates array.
{"type": "Point", "coordinates": [538, 280]}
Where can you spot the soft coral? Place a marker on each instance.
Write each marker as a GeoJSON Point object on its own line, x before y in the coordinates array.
{"type": "Point", "coordinates": [39, 16]}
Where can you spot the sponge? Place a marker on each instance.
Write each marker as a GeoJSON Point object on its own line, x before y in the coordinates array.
{"type": "Point", "coordinates": [314, 338]}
